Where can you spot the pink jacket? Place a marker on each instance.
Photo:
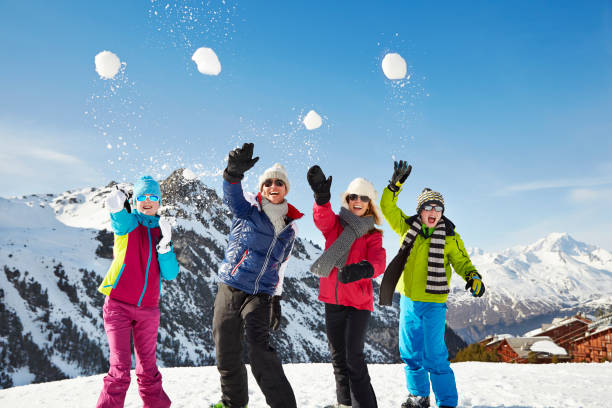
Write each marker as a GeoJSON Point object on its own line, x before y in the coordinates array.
{"type": "Point", "coordinates": [366, 248]}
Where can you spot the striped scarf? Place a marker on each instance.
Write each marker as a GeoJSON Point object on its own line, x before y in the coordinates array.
{"type": "Point", "coordinates": [436, 274]}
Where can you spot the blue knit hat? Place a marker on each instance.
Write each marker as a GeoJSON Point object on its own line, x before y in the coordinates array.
{"type": "Point", "coordinates": [146, 185]}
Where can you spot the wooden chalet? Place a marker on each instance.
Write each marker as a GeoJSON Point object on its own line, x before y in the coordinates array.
{"type": "Point", "coordinates": [595, 345]}
{"type": "Point", "coordinates": [519, 350]}
{"type": "Point", "coordinates": [563, 331]}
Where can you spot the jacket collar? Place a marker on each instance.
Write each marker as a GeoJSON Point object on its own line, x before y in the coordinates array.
{"type": "Point", "coordinates": [292, 212]}
{"type": "Point", "coordinates": [151, 221]}
{"type": "Point", "coordinates": [450, 226]}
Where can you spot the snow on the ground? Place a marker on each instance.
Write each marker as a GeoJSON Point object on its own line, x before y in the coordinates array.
{"type": "Point", "coordinates": [107, 64]}
{"type": "Point", "coordinates": [394, 66]}
{"type": "Point", "coordinates": [207, 61]}
{"type": "Point", "coordinates": [312, 120]}
{"type": "Point", "coordinates": [482, 385]}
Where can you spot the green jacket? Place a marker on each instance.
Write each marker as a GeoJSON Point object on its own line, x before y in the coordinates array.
{"type": "Point", "coordinates": [414, 276]}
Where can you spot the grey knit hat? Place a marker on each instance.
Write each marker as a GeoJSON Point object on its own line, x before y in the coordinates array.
{"type": "Point", "coordinates": [277, 171]}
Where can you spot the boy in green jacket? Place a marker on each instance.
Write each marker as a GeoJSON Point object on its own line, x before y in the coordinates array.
{"type": "Point", "coordinates": [422, 271]}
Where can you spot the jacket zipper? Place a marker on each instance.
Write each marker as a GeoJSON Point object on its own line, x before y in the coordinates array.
{"type": "Point", "coordinates": [148, 265]}
{"type": "Point", "coordinates": [267, 260]}
{"type": "Point", "coordinates": [239, 262]}
{"type": "Point", "coordinates": [337, 284]}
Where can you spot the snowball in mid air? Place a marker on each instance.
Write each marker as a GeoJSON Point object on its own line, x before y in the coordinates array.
{"type": "Point", "coordinates": [207, 61]}
{"type": "Point", "coordinates": [107, 64]}
{"type": "Point", "coordinates": [394, 66]}
{"type": "Point", "coordinates": [312, 120]}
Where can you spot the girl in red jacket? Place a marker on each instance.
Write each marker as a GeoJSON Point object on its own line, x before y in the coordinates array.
{"type": "Point", "coordinates": [353, 256]}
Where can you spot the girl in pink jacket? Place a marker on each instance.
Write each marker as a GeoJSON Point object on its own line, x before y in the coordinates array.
{"type": "Point", "coordinates": [143, 255]}
{"type": "Point", "coordinates": [353, 256]}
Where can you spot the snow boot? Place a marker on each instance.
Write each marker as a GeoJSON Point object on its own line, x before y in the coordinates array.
{"type": "Point", "coordinates": [415, 401]}
{"type": "Point", "coordinates": [220, 404]}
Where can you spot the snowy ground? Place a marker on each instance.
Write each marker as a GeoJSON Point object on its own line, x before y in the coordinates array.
{"type": "Point", "coordinates": [482, 385]}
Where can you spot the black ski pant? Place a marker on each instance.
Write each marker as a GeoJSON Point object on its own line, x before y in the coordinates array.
{"type": "Point", "coordinates": [237, 313]}
{"type": "Point", "coordinates": [346, 330]}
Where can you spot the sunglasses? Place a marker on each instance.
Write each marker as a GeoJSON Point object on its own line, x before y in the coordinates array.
{"type": "Point", "coordinates": [144, 197]}
{"type": "Point", "coordinates": [277, 183]}
{"type": "Point", "coordinates": [433, 207]}
{"type": "Point", "coordinates": [353, 197]}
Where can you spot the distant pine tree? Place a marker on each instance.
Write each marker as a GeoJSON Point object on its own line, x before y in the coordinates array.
{"type": "Point", "coordinates": [476, 352]}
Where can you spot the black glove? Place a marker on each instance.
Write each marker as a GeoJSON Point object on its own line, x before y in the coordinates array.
{"type": "Point", "coordinates": [353, 272]}
{"type": "Point", "coordinates": [275, 312]}
{"type": "Point", "coordinates": [401, 171]}
{"type": "Point", "coordinates": [320, 186]}
{"type": "Point", "coordinates": [238, 162]}
{"type": "Point", "coordinates": [474, 284]}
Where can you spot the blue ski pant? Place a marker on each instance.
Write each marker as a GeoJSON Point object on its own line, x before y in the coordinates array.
{"type": "Point", "coordinates": [422, 348]}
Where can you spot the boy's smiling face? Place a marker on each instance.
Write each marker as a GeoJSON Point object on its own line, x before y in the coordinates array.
{"type": "Point", "coordinates": [430, 218]}
{"type": "Point", "coordinates": [147, 206]}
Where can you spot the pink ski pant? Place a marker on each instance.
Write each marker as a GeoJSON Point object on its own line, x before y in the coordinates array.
{"type": "Point", "coordinates": [120, 321]}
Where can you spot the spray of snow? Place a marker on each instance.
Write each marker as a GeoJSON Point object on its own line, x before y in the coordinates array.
{"type": "Point", "coordinates": [394, 66]}
{"type": "Point", "coordinates": [107, 64]}
{"type": "Point", "coordinates": [207, 61]}
{"type": "Point", "coordinates": [181, 24]}
{"type": "Point", "coordinates": [312, 120]}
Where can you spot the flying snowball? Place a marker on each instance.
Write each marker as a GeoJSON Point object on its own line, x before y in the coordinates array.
{"type": "Point", "coordinates": [312, 120]}
{"type": "Point", "coordinates": [207, 61]}
{"type": "Point", "coordinates": [394, 66]}
{"type": "Point", "coordinates": [107, 64]}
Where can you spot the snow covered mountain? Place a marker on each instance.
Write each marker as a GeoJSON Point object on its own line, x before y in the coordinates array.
{"type": "Point", "coordinates": [55, 249]}
{"type": "Point", "coordinates": [530, 285]}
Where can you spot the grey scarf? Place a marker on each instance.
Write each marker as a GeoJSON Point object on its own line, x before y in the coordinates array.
{"type": "Point", "coordinates": [337, 253]}
{"type": "Point", "coordinates": [276, 213]}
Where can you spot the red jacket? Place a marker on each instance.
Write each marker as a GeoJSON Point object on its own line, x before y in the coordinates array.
{"type": "Point", "coordinates": [366, 248]}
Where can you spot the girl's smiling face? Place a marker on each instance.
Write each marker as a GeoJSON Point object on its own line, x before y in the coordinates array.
{"type": "Point", "coordinates": [147, 206]}
{"type": "Point", "coordinates": [357, 205]}
{"type": "Point", "coordinates": [274, 190]}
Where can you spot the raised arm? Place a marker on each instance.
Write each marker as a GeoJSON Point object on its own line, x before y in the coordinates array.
{"type": "Point", "coordinates": [239, 161]}
{"type": "Point", "coordinates": [388, 202]}
{"type": "Point", "coordinates": [324, 218]}
{"type": "Point", "coordinates": [122, 222]}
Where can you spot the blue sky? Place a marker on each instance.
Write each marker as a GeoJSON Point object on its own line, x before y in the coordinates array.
{"type": "Point", "coordinates": [508, 110]}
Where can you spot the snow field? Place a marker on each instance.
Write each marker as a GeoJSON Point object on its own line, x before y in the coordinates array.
{"type": "Point", "coordinates": [482, 385]}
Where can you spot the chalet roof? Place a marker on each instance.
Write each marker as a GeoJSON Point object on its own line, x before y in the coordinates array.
{"type": "Point", "coordinates": [494, 338]}
{"type": "Point", "coordinates": [598, 330]}
{"type": "Point", "coordinates": [522, 345]}
{"type": "Point", "coordinates": [558, 322]}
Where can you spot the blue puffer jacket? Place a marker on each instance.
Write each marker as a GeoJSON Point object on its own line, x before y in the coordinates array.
{"type": "Point", "coordinates": [255, 259]}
